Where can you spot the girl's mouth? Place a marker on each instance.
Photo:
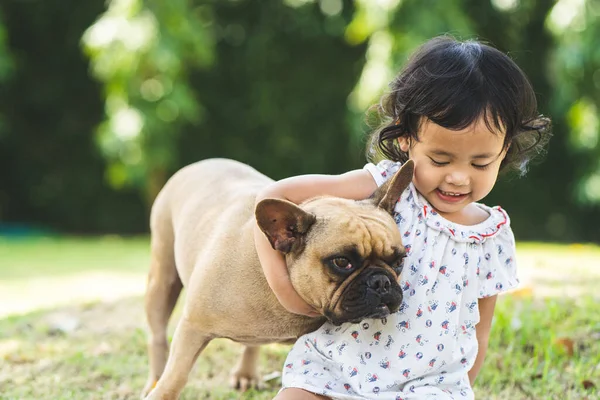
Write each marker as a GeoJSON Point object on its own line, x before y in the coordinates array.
{"type": "Point", "coordinates": [451, 197]}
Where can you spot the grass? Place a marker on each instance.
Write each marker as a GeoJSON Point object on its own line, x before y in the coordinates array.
{"type": "Point", "coordinates": [543, 350]}
{"type": "Point", "coordinates": [102, 361]}
{"type": "Point", "coordinates": [540, 348]}
{"type": "Point", "coordinates": [32, 257]}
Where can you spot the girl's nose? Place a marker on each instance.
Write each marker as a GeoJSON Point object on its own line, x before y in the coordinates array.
{"type": "Point", "coordinates": [458, 178]}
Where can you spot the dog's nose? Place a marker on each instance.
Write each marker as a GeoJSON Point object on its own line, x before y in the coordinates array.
{"type": "Point", "coordinates": [379, 283]}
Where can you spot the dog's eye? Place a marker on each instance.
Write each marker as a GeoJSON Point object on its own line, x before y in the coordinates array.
{"type": "Point", "coordinates": [398, 264]}
{"type": "Point", "coordinates": [342, 263]}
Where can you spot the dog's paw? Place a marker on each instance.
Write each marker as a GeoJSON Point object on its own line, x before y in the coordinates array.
{"type": "Point", "coordinates": [244, 382]}
{"type": "Point", "coordinates": [151, 384]}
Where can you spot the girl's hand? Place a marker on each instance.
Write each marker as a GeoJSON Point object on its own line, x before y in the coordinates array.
{"type": "Point", "coordinates": [276, 273]}
{"type": "Point", "coordinates": [291, 301]}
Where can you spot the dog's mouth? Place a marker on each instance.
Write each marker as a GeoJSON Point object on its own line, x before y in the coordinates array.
{"type": "Point", "coordinates": [379, 312]}
{"type": "Point", "coordinates": [359, 301]}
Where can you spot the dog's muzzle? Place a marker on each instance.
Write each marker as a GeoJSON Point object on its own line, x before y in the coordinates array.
{"type": "Point", "coordinates": [374, 293]}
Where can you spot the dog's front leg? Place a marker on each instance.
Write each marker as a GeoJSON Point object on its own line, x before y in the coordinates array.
{"type": "Point", "coordinates": [188, 342]}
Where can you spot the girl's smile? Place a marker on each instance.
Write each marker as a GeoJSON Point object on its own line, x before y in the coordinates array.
{"type": "Point", "coordinates": [451, 197]}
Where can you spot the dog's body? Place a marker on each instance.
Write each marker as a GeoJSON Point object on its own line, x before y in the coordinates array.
{"type": "Point", "coordinates": [202, 226]}
{"type": "Point", "coordinates": [217, 231]}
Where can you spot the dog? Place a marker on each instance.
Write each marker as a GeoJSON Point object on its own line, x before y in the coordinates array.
{"type": "Point", "coordinates": [344, 258]}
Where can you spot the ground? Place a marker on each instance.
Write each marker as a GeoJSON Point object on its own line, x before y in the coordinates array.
{"type": "Point", "coordinates": [72, 326]}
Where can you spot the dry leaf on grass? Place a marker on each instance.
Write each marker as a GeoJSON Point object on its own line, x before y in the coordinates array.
{"type": "Point", "coordinates": [567, 344]}
{"type": "Point", "coordinates": [588, 384]}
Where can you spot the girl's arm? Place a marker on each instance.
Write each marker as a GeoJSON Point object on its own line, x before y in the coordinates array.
{"type": "Point", "coordinates": [355, 185]}
{"type": "Point", "coordinates": [486, 312]}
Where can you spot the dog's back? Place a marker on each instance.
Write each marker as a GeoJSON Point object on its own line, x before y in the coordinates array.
{"type": "Point", "coordinates": [205, 201]}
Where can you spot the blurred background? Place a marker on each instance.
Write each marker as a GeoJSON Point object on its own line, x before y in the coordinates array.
{"type": "Point", "coordinates": [101, 101]}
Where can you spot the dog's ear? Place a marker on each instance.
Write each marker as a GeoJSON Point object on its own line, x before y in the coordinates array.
{"type": "Point", "coordinates": [283, 222]}
{"type": "Point", "coordinates": [387, 195]}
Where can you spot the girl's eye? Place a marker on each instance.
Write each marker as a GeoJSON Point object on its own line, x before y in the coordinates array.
{"type": "Point", "coordinates": [342, 263]}
{"type": "Point", "coordinates": [482, 167]}
{"type": "Point", "coordinates": [438, 163]}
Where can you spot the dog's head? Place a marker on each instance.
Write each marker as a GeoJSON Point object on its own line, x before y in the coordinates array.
{"type": "Point", "coordinates": [344, 257]}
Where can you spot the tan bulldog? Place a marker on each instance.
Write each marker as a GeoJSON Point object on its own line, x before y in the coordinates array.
{"type": "Point", "coordinates": [344, 258]}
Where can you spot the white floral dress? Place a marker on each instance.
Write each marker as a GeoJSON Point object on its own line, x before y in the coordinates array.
{"type": "Point", "coordinates": [425, 350]}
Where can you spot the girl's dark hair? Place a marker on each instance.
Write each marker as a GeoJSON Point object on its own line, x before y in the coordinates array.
{"type": "Point", "coordinates": [453, 84]}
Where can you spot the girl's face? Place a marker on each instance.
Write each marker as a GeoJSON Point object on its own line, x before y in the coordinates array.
{"type": "Point", "coordinates": [455, 168]}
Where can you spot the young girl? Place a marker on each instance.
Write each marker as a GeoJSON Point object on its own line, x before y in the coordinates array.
{"type": "Point", "coordinates": [462, 111]}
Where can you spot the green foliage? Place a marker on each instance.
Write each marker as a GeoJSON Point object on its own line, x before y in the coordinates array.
{"type": "Point", "coordinates": [156, 60]}
{"type": "Point", "coordinates": [275, 96]}
{"type": "Point", "coordinates": [50, 170]}
{"type": "Point", "coordinates": [6, 66]}
{"type": "Point", "coordinates": [576, 77]}
{"type": "Point", "coordinates": [143, 52]}
{"type": "Point", "coordinates": [88, 140]}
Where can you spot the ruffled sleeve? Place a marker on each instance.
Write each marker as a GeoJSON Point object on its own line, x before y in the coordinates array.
{"type": "Point", "coordinates": [383, 171]}
{"type": "Point", "coordinates": [497, 269]}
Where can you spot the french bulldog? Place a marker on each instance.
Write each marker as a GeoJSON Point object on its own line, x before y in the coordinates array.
{"type": "Point", "coordinates": [344, 258]}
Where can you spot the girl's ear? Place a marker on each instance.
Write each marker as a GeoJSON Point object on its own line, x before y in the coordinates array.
{"type": "Point", "coordinates": [404, 143]}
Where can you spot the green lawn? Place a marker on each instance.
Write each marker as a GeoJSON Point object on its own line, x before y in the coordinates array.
{"type": "Point", "coordinates": [26, 258]}
{"type": "Point", "coordinates": [540, 348]}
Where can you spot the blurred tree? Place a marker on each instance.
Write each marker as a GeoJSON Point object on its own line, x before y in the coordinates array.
{"type": "Point", "coordinates": [575, 75]}
{"type": "Point", "coordinates": [143, 52]}
{"type": "Point", "coordinates": [6, 63]}
{"type": "Point", "coordinates": [50, 169]}
{"type": "Point", "coordinates": [52, 173]}
{"type": "Point", "coordinates": [270, 85]}
{"type": "Point", "coordinates": [276, 95]}
{"type": "Point", "coordinates": [6, 69]}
